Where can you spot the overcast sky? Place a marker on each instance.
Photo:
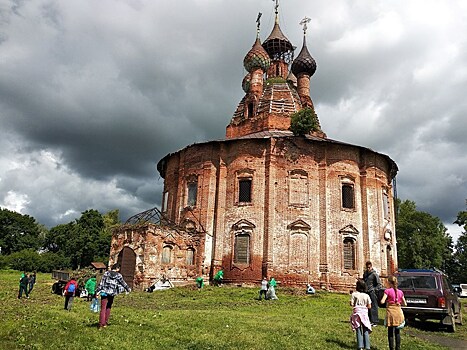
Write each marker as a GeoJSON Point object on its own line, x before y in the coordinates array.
{"type": "Point", "coordinates": [94, 93]}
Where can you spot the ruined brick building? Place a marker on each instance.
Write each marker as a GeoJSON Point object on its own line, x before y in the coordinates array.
{"type": "Point", "coordinates": [263, 202]}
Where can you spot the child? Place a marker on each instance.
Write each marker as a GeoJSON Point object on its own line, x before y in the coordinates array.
{"type": "Point", "coordinates": [394, 298]}
{"type": "Point", "coordinates": [70, 291]}
{"type": "Point", "coordinates": [264, 288]}
{"type": "Point", "coordinates": [361, 303]}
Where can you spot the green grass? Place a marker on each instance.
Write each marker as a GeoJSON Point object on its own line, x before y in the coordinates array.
{"type": "Point", "coordinates": [183, 318]}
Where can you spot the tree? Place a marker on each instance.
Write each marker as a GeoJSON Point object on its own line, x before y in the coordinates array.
{"type": "Point", "coordinates": [422, 239]}
{"type": "Point", "coordinates": [85, 240]}
{"type": "Point", "coordinates": [19, 232]}
{"type": "Point", "coordinates": [460, 256]}
{"type": "Point", "coordinates": [304, 121]}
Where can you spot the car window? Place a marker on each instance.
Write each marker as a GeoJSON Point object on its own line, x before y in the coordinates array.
{"type": "Point", "coordinates": [417, 282]}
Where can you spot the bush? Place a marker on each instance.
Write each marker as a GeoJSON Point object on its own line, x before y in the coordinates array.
{"type": "Point", "coordinates": [24, 260]}
{"type": "Point", "coordinates": [30, 260]}
{"type": "Point", "coordinates": [304, 121]}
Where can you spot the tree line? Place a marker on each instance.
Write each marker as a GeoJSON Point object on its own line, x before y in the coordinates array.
{"type": "Point", "coordinates": [27, 245]}
{"type": "Point", "coordinates": [422, 241]}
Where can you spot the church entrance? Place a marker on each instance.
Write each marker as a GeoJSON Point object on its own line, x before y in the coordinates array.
{"type": "Point", "coordinates": [127, 261]}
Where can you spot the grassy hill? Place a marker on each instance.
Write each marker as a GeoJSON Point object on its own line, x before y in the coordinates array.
{"type": "Point", "coordinates": [183, 318]}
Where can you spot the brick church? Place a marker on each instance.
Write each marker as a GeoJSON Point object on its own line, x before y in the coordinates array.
{"type": "Point", "coordinates": [264, 201]}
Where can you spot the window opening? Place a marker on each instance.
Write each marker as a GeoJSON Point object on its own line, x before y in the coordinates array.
{"type": "Point", "coordinates": [166, 255]}
{"type": "Point", "coordinates": [348, 196]}
{"type": "Point", "coordinates": [250, 109]}
{"type": "Point", "coordinates": [192, 193]}
{"type": "Point", "coordinates": [190, 253]}
{"type": "Point", "coordinates": [244, 190]}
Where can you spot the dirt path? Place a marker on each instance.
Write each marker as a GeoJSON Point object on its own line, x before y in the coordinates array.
{"type": "Point", "coordinates": [450, 343]}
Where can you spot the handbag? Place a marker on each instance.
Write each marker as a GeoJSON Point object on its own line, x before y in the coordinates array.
{"type": "Point", "coordinates": [402, 325]}
{"type": "Point", "coordinates": [379, 295]}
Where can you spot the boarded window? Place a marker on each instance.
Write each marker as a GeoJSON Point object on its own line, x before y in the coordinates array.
{"type": "Point", "coordinates": [192, 193]}
{"type": "Point", "coordinates": [348, 196]}
{"type": "Point", "coordinates": [349, 254]}
{"type": "Point", "coordinates": [166, 254]}
{"type": "Point", "coordinates": [190, 253]}
{"type": "Point", "coordinates": [244, 190]}
{"type": "Point", "coordinates": [242, 249]}
{"type": "Point", "coordinates": [298, 188]}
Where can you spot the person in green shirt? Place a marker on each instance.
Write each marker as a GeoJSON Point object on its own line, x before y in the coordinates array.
{"type": "Point", "coordinates": [90, 287]}
{"type": "Point", "coordinates": [218, 278]}
{"type": "Point", "coordinates": [199, 282]}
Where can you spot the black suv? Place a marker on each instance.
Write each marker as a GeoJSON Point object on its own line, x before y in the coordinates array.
{"type": "Point", "coordinates": [429, 295]}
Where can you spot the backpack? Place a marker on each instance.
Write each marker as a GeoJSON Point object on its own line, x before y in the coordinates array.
{"type": "Point", "coordinates": [71, 288]}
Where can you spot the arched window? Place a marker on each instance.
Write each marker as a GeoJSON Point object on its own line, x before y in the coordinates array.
{"type": "Point", "coordinates": [242, 249]}
{"type": "Point", "coordinates": [349, 253]}
{"type": "Point", "coordinates": [190, 254]}
{"type": "Point", "coordinates": [166, 254]}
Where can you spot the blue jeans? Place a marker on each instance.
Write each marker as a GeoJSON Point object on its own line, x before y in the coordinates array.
{"type": "Point", "coordinates": [363, 337]}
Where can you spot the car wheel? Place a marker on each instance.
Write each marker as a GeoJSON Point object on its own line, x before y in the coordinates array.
{"type": "Point", "coordinates": [452, 326]}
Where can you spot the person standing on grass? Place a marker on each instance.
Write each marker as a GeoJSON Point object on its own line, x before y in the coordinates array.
{"type": "Point", "coordinates": [32, 281]}
{"type": "Point", "coordinates": [361, 303]}
{"type": "Point", "coordinates": [373, 283]}
{"type": "Point", "coordinates": [69, 292]}
{"type": "Point", "coordinates": [264, 289]}
{"type": "Point", "coordinates": [271, 293]}
{"type": "Point", "coordinates": [23, 286]}
{"type": "Point", "coordinates": [199, 282]}
{"type": "Point", "coordinates": [394, 298]}
{"type": "Point", "coordinates": [218, 277]}
{"type": "Point", "coordinates": [90, 287]}
{"type": "Point", "coordinates": [112, 283]}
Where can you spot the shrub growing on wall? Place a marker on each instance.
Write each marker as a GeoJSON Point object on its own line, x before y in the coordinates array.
{"type": "Point", "coordinates": [304, 121]}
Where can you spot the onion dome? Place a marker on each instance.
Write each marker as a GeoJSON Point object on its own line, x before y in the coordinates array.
{"type": "Point", "coordinates": [246, 82]}
{"type": "Point", "coordinates": [277, 45]}
{"type": "Point", "coordinates": [257, 57]}
{"type": "Point", "coordinates": [304, 63]}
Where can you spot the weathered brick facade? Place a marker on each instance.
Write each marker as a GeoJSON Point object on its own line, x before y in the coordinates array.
{"type": "Point", "coordinates": [264, 202]}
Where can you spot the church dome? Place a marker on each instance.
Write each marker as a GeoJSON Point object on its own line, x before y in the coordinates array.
{"type": "Point", "coordinates": [304, 63]}
{"type": "Point", "coordinates": [257, 57]}
{"type": "Point", "coordinates": [277, 45]}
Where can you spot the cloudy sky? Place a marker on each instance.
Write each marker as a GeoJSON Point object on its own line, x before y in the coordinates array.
{"type": "Point", "coordinates": [94, 93]}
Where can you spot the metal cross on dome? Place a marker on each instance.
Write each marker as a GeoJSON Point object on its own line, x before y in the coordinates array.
{"type": "Point", "coordinates": [258, 21]}
{"type": "Point", "coordinates": [277, 5]}
{"type": "Point", "coordinates": [303, 22]}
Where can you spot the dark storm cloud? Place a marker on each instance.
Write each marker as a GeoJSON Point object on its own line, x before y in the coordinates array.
{"type": "Point", "coordinates": [94, 94]}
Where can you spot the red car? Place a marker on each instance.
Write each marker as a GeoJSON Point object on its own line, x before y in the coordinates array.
{"type": "Point", "coordinates": [429, 295]}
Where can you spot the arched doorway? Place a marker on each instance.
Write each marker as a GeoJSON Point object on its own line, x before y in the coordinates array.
{"type": "Point", "coordinates": [127, 261]}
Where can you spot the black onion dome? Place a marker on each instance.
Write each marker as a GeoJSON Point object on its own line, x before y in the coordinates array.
{"type": "Point", "coordinates": [277, 45]}
{"type": "Point", "coordinates": [257, 57]}
{"type": "Point", "coordinates": [304, 63]}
